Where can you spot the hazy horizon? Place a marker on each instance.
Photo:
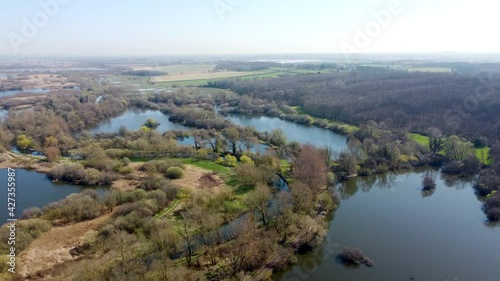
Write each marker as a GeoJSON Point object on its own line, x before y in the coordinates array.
{"type": "Point", "coordinates": [229, 27]}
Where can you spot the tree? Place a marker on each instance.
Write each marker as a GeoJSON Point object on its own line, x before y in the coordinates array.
{"type": "Point", "coordinates": [52, 154]}
{"type": "Point", "coordinates": [428, 183]}
{"type": "Point", "coordinates": [310, 167]}
{"type": "Point", "coordinates": [277, 137]}
{"type": "Point", "coordinates": [51, 141]}
{"type": "Point", "coordinates": [248, 137]}
{"type": "Point", "coordinates": [285, 217]}
{"type": "Point", "coordinates": [232, 135]}
{"type": "Point", "coordinates": [348, 164]}
{"type": "Point", "coordinates": [436, 142]}
{"type": "Point", "coordinates": [166, 241]}
{"type": "Point", "coordinates": [302, 198]}
{"type": "Point", "coordinates": [258, 200]}
{"type": "Point", "coordinates": [456, 149]}
{"type": "Point", "coordinates": [151, 124]}
{"type": "Point", "coordinates": [24, 143]}
{"type": "Point", "coordinates": [188, 232]}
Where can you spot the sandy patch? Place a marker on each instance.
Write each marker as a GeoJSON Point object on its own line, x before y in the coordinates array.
{"type": "Point", "coordinates": [17, 161]}
{"type": "Point", "coordinates": [52, 248]}
{"type": "Point", "coordinates": [125, 185]}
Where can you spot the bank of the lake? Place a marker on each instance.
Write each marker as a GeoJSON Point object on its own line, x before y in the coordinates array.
{"type": "Point", "coordinates": [435, 236]}
{"type": "Point", "coordinates": [30, 91]}
{"type": "Point", "coordinates": [294, 132]}
{"type": "Point", "coordinates": [34, 189]}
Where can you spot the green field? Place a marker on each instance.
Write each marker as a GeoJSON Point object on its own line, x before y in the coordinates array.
{"type": "Point", "coordinates": [481, 153]}
{"type": "Point", "coordinates": [194, 75]}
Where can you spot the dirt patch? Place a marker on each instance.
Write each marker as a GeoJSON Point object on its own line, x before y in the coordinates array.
{"type": "Point", "coordinates": [125, 185]}
{"type": "Point", "coordinates": [52, 248]}
{"type": "Point", "coordinates": [209, 181]}
{"type": "Point", "coordinates": [196, 178]}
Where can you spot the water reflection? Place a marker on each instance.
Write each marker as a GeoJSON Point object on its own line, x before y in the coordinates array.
{"type": "Point", "coordinates": [404, 234]}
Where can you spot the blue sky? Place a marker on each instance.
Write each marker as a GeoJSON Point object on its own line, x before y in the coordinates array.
{"type": "Point", "coordinates": [172, 27]}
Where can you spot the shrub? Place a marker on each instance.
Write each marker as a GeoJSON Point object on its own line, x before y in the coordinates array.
{"type": "Point", "coordinates": [160, 166]}
{"type": "Point", "coordinates": [246, 160]}
{"type": "Point", "coordinates": [219, 161]}
{"type": "Point", "coordinates": [230, 161]}
{"type": "Point", "coordinates": [52, 154]}
{"type": "Point", "coordinates": [35, 227]}
{"type": "Point", "coordinates": [32, 213]}
{"type": "Point", "coordinates": [125, 170]}
{"type": "Point", "coordinates": [92, 177]}
{"type": "Point", "coordinates": [154, 182]}
{"type": "Point", "coordinates": [325, 202]}
{"type": "Point", "coordinates": [107, 178]}
{"type": "Point", "coordinates": [452, 168]}
{"type": "Point", "coordinates": [170, 191]}
{"type": "Point", "coordinates": [67, 172]}
{"type": "Point", "coordinates": [75, 208]}
{"type": "Point", "coordinates": [353, 256]}
{"type": "Point", "coordinates": [428, 183]}
{"type": "Point", "coordinates": [492, 207]}
{"type": "Point", "coordinates": [202, 154]}
{"type": "Point", "coordinates": [159, 197]}
{"type": "Point", "coordinates": [175, 173]}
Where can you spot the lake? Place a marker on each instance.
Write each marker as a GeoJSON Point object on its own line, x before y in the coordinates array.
{"type": "Point", "coordinates": [31, 91]}
{"type": "Point", "coordinates": [295, 132]}
{"type": "Point", "coordinates": [439, 236]}
{"type": "Point", "coordinates": [34, 189]}
{"type": "Point", "coordinates": [133, 119]}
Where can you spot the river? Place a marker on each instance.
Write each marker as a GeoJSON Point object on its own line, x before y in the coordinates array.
{"type": "Point", "coordinates": [430, 237]}
{"type": "Point", "coordinates": [34, 189]}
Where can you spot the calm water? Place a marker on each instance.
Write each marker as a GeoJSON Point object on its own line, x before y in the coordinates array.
{"type": "Point", "coordinates": [295, 132]}
{"type": "Point", "coordinates": [33, 91]}
{"type": "Point", "coordinates": [133, 119]}
{"type": "Point", "coordinates": [3, 114]}
{"type": "Point", "coordinates": [439, 237]}
{"type": "Point", "coordinates": [34, 190]}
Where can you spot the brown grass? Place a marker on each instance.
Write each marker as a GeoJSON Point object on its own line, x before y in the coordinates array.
{"type": "Point", "coordinates": [196, 178]}
{"type": "Point", "coordinates": [52, 248]}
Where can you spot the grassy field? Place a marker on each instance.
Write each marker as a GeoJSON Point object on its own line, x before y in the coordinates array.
{"type": "Point", "coordinates": [421, 139]}
{"type": "Point", "coordinates": [481, 153]}
{"type": "Point", "coordinates": [199, 76]}
{"type": "Point", "coordinates": [178, 68]}
{"type": "Point", "coordinates": [195, 75]}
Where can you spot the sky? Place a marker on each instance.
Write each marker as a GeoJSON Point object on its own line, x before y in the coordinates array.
{"type": "Point", "coordinates": [189, 27]}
